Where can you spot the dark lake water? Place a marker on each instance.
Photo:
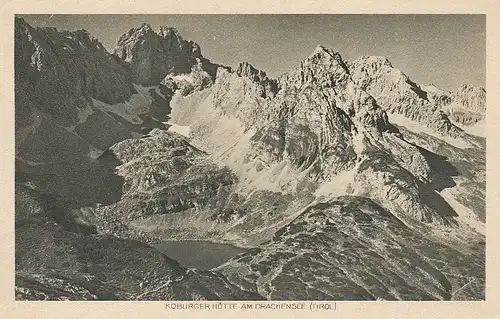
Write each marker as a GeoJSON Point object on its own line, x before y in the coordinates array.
{"type": "Point", "coordinates": [199, 254]}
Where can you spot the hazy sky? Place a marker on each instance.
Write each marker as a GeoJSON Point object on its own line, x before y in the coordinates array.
{"type": "Point", "coordinates": [447, 50]}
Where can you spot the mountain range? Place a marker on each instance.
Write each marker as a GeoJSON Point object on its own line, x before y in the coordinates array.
{"type": "Point", "coordinates": [342, 180]}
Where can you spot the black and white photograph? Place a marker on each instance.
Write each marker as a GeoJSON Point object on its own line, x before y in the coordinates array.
{"type": "Point", "coordinates": [250, 157]}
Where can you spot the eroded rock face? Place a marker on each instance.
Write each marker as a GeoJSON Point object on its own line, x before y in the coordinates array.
{"type": "Point", "coordinates": [177, 175]}
{"type": "Point", "coordinates": [58, 77]}
{"type": "Point", "coordinates": [73, 99]}
{"type": "Point", "coordinates": [244, 94]}
{"type": "Point", "coordinates": [151, 55]}
{"type": "Point", "coordinates": [436, 95]}
{"type": "Point", "coordinates": [269, 86]}
{"type": "Point", "coordinates": [324, 81]}
{"type": "Point", "coordinates": [325, 124]}
{"type": "Point", "coordinates": [198, 79]}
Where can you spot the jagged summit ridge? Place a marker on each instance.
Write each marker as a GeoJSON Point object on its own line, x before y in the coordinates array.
{"type": "Point", "coordinates": [465, 106]}
{"type": "Point", "coordinates": [166, 31]}
{"type": "Point", "coordinates": [324, 56]}
{"type": "Point", "coordinates": [472, 98]}
{"type": "Point", "coordinates": [248, 70]}
{"type": "Point", "coordinates": [270, 86]}
{"type": "Point", "coordinates": [321, 124]}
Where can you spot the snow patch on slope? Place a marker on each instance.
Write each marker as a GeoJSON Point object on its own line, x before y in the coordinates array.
{"type": "Point", "coordinates": [478, 129]}
{"type": "Point", "coordinates": [342, 184]}
{"type": "Point", "coordinates": [418, 128]}
{"type": "Point", "coordinates": [182, 77]}
{"type": "Point", "coordinates": [179, 129]}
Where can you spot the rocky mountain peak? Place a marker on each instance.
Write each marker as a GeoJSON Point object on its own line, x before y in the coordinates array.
{"type": "Point", "coordinates": [151, 56]}
{"type": "Point", "coordinates": [323, 52]}
{"type": "Point", "coordinates": [373, 71]}
{"type": "Point", "coordinates": [396, 93]}
{"type": "Point", "coordinates": [60, 77]}
{"type": "Point", "coordinates": [144, 26]}
{"type": "Point", "coordinates": [48, 57]}
{"type": "Point", "coordinates": [173, 40]}
{"type": "Point", "coordinates": [324, 56]}
{"type": "Point", "coordinates": [467, 105]}
{"type": "Point", "coordinates": [269, 87]}
{"type": "Point", "coordinates": [472, 91]}
{"type": "Point", "coordinates": [166, 31]}
{"type": "Point", "coordinates": [136, 33]}
{"type": "Point", "coordinates": [324, 67]}
{"type": "Point", "coordinates": [325, 75]}
{"type": "Point", "coordinates": [246, 69]}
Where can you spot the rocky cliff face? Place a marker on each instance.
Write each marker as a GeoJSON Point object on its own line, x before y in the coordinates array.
{"type": "Point", "coordinates": [269, 86]}
{"type": "Point", "coordinates": [150, 55]}
{"type": "Point", "coordinates": [307, 169]}
{"type": "Point", "coordinates": [57, 75]}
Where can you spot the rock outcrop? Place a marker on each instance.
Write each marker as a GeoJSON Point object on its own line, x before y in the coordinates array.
{"type": "Point", "coordinates": [58, 75]}
{"type": "Point", "coordinates": [73, 99]}
{"type": "Point", "coordinates": [315, 115]}
{"type": "Point", "coordinates": [269, 86]}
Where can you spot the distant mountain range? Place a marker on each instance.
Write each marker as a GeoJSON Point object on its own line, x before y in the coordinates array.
{"type": "Point", "coordinates": [345, 180]}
